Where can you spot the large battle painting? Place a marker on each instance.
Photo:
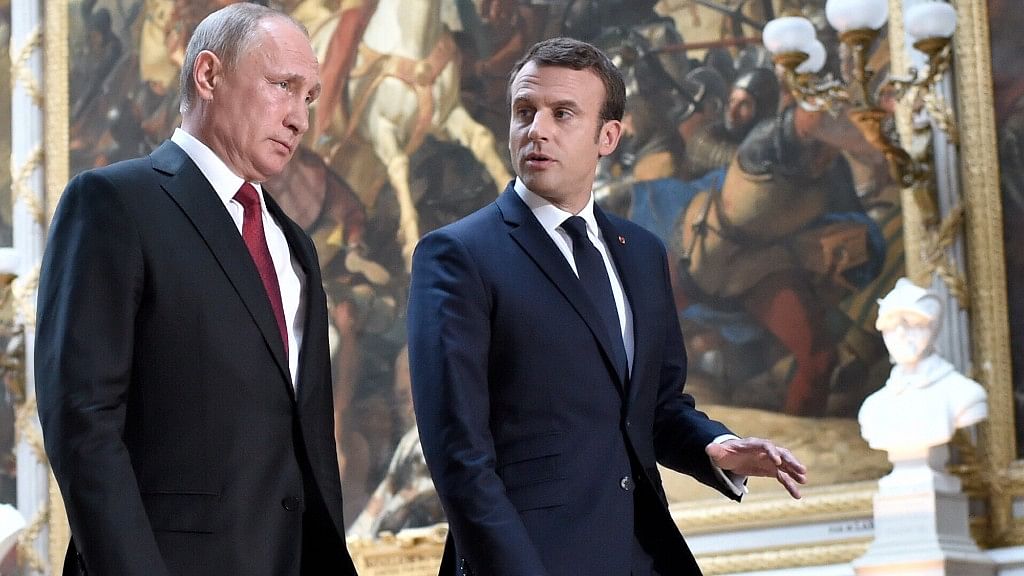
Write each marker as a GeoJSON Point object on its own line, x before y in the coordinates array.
{"type": "Point", "coordinates": [782, 224]}
{"type": "Point", "coordinates": [1005, 21]}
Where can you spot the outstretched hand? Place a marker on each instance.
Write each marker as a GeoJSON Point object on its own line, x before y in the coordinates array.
{"type": "Point", "coordinates": [759, 457]}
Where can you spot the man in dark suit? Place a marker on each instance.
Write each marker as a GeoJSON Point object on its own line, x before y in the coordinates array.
{"type": "Point", "coordinates": [547, 361]}
{"type": "Point", "coordinates": [182, 366]}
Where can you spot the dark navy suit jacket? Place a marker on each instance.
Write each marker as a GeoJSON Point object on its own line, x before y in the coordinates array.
{"type": "Point", "coordinates": [167, 407]}
{"type": "Point", "coordinates": [541, 455]}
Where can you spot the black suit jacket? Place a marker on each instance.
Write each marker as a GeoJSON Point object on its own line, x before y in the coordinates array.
{"type": "Point", "coordinates": [168, 412]}
{"type": "Point", "coordinates": [541, 455]}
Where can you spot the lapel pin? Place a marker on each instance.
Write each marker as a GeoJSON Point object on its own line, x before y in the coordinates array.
{"type": "Point", "coordinates": [622, 240]}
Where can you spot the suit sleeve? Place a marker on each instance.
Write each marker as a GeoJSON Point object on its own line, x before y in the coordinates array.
{"type": "Point", "coordinates": [89, 290]}
{"type": "Point", "coordinates": [681, 432]}
{"type": "Point", "coordinates": [449, 339]}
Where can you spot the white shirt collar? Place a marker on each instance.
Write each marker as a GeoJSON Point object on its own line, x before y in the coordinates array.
{"type": "Point", "coordinates": [225, 182]}
{"type": "Point", "coordinates": [551, 216]}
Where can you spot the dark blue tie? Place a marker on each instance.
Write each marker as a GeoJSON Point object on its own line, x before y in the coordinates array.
{"type": "Point", "coordinates": [594, 277]}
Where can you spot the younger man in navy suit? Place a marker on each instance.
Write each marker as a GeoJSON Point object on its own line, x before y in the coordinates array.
{"type": "Point", "coordinates": [547, 360]}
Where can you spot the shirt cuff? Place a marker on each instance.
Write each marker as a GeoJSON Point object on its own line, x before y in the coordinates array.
{"type": "Point", "coordinates": [736, 482]}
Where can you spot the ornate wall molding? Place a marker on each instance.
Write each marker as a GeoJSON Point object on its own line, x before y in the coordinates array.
{"type": "Point", "coordinates": [818, 505]}
{"type": "Point", "coordinates": [999, 472]}
{"type": "Point", "coordinates": [825, 555]}
{"type": "Point", "coordinates": [996, 476]}
{"type": "Point", "coordinates": [56, 133]}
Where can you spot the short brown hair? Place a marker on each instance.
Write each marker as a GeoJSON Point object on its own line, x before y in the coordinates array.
{"type": "Point", "coordinates": [578, 55]}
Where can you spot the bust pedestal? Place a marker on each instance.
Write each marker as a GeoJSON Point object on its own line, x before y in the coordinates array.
{"type": "Point", "coordinates": [921, 525]}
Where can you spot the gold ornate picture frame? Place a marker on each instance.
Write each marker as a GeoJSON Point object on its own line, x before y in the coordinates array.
{"type": "Point", "coordinates": [56, 107]}
{"type": "Point", "coordinates": [993, 475]}
{"type": "Point", "coordinates": [997, 479]}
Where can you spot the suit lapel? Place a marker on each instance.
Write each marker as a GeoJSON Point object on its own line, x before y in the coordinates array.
{"type": "Point", "coordinates": [620, 250]}
{"type": "Point", "coordinates": [534, 240]}
{"type": "Point", "coordinates": [187, 186]}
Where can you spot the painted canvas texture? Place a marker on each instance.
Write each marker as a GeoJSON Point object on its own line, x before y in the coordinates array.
{"type": "Point", "coordinates": [782, 225]}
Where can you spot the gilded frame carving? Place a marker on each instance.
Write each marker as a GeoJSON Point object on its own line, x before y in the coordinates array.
{"type": "Point", "coordinates": [998, 476]}
{"type": "Point", "coordinates": [56, 121]}
{"type": "Point", "coordinates": [993, 474]}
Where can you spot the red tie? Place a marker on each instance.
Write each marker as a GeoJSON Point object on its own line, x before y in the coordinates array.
{"type": "Point", "coordinates": [256, 240]}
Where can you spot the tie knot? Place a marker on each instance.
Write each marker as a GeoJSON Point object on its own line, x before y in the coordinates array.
{"type": "Point", "coordinates": [247, 197]}
{"type": "Point", "coordinates": [575, 227]}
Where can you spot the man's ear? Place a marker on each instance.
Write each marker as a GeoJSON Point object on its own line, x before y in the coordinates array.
{"type": "Point", "coordinates": [207, 73]}
{"type": "Point", "coordinates": [608, 137]}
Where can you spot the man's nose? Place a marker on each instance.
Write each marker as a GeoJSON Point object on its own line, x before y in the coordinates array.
{"type": "Point", "coordinates": [540, 128]}
{"type": "Point", "coordinates": [297, 119]}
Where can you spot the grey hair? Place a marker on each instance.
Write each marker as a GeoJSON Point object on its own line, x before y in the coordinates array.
{"type": "Point", "coordinates": [228, 33]}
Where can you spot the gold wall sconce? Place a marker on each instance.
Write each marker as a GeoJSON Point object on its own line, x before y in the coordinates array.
{"type": "Point", "coordinates": [796, 50]}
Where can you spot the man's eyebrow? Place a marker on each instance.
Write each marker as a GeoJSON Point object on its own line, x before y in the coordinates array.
{"type": "Point", "coordinates": [290, 77]}
{"type": "Point", "coordinates": [566, 103]}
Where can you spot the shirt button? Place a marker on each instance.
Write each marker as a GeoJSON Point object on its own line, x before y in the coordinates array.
{"type": "Point", "coordinates": [627, 483]}
{"type": "Point", "coordinates": [291, 503]}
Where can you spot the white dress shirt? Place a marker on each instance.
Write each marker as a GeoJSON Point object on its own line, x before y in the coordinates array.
{"type": "Point", "coordinates": [289, 274]}
{"type": "Point", "coordinates": [551, 218]}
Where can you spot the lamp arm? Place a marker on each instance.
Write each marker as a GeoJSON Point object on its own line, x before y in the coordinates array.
{"type": "Point", "coordinates": [917, 86]}
{"type": "Point", "coordinates": [869, 122]}
{"type": "Point", "coordinates": [823, 95]}
{"type": "Point", "coordinates": [914, 78]}
{"type": "Point", "coordinates": [859, 42]}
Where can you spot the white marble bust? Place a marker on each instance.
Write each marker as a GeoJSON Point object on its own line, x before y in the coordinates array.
{"type": "Point", "coordinates": [925, 399]}
{"type": "Point", "coordinates": [11, 524]}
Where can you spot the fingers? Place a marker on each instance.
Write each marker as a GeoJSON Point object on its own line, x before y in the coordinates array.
{"type": "Point", "coordinates": [760, 457]}
{"type": "Point", "coordinates": [773, 451]}
{"type": "Point", "coordinates": [772, 460]}
{"type": "Point", "coordinates": [793, 466]}
{"type": "Point", "coordinates": [763, 448]}
{"type": "Point", "coordinates": [790, 472]}
{"type": "Point", "coordinates": [789, 483]}
{"type": "Point", "coordinates": [782, 457]}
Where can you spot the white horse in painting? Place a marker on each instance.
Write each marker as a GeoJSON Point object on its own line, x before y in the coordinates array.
{"type": "Point", "coordinates": [405, 85]}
